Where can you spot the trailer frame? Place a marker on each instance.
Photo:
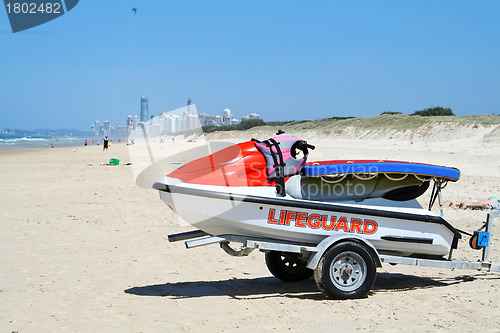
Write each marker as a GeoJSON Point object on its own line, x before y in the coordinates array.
{"type": "Point", "coordinates": [313, 255]}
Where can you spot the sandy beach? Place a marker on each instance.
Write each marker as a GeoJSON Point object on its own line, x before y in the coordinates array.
{"type": "Point", "coordinates": [83, 248]}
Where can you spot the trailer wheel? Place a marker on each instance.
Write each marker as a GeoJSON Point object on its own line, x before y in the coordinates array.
{"type": "Point", "coordinates": [346, 270]}
{"type": "Point", "coordinates": [287, 266]}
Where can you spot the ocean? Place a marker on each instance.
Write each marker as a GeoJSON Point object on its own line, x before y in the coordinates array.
{"type": "Point", "coordinates": [13, 142]}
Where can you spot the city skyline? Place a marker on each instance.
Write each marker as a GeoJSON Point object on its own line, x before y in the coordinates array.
{"type": "Point", "coordinates": [174, 121]}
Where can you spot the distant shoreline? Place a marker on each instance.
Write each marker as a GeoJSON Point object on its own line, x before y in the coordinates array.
{"type": "Point", "coordinates": [40, 143]}
{"type": "Point", "coordinates": [37, 143]}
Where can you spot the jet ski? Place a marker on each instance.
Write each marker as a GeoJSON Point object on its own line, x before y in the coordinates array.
{"type": "Point", "coordinates": [268, 190]}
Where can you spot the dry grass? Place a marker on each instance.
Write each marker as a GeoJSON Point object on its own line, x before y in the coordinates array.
{"type": "Point", "coordinates": [399, 122]}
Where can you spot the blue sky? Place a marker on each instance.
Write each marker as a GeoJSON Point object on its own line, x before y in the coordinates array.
{"type": "Point", "coordinates": [282, 59]}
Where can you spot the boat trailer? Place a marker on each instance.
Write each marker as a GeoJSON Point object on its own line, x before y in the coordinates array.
{"type": "Point", "coordinates": [344, 265]}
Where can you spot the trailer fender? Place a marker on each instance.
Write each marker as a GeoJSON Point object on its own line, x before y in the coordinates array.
{"type": "Point", "coordinates": [328, 242]}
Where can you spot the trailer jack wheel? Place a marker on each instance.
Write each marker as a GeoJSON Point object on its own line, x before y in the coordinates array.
{"type": "Point", "coordinates": [346, 270]}
{"type": "Point", "coordinates": [287, 266]}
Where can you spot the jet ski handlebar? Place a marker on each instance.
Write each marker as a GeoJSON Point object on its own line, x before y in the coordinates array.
{"type": "Point", "coordinates": [303, 146]}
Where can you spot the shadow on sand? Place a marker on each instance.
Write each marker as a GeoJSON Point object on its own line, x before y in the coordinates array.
{"type": "Point", "coordinates": [268, 287]}
{"type": "Point", "coordinates": [262, 287]}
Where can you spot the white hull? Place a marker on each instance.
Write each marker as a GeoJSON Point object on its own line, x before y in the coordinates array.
{"type": "Point", "coordinates": [259, 212]}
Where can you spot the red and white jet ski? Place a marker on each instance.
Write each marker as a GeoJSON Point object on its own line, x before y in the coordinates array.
{"type": "Point", "coordinates": [267, 190]}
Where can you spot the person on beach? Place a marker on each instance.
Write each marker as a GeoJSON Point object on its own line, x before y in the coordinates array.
{"type": "Point", "coordinates": [106, 142]}
{"type": "Point", "coordinates": [86, 143]}
{"type": "Point", "coordinates": [490, 203]}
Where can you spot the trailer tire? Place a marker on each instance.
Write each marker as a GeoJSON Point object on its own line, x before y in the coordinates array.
{"type": "Point", "coordinates": [346, 270]}
{"type": "Point", "coordinates": [287, 266]}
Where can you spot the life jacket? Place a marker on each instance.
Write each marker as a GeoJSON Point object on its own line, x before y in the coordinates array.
{"type": "Point", "coordinates": [279, 160]}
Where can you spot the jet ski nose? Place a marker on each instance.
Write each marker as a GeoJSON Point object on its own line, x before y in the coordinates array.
{"type": "Point", "coordinates": [161, 186]}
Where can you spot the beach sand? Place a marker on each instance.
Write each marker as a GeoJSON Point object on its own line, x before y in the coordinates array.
{"type": "Point", "coordinates": [83, 248]}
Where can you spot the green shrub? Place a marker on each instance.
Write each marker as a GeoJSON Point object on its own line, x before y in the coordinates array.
{"type": "Point", "coordinates": [435, 111]}
{"type": "Point", "coordinates": [391, 112]}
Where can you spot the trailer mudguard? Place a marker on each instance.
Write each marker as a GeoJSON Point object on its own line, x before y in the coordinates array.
{"type": "Point", "coordinates": [328, 242]}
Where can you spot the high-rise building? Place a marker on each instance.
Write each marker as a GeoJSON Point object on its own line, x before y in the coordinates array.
{"type": "Point", "coordinates": [175, 124]}
{"type": "Point", "coordinates": [97, 128]}
{"type": "Point", "coordinates": [226, 119]}
{"type": "Point", "coordinates": [130, 124]}
{"type": "Point", "coordinates": [218, 120]}
{"type": "Point", "coordinates": [144, 109]}
{"type": "Point", "coordinates": [203, 118]}
{"type": "Point", "coordinates": [189, 119]}
{"type": "Point", "coordinates": [106, 128]}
